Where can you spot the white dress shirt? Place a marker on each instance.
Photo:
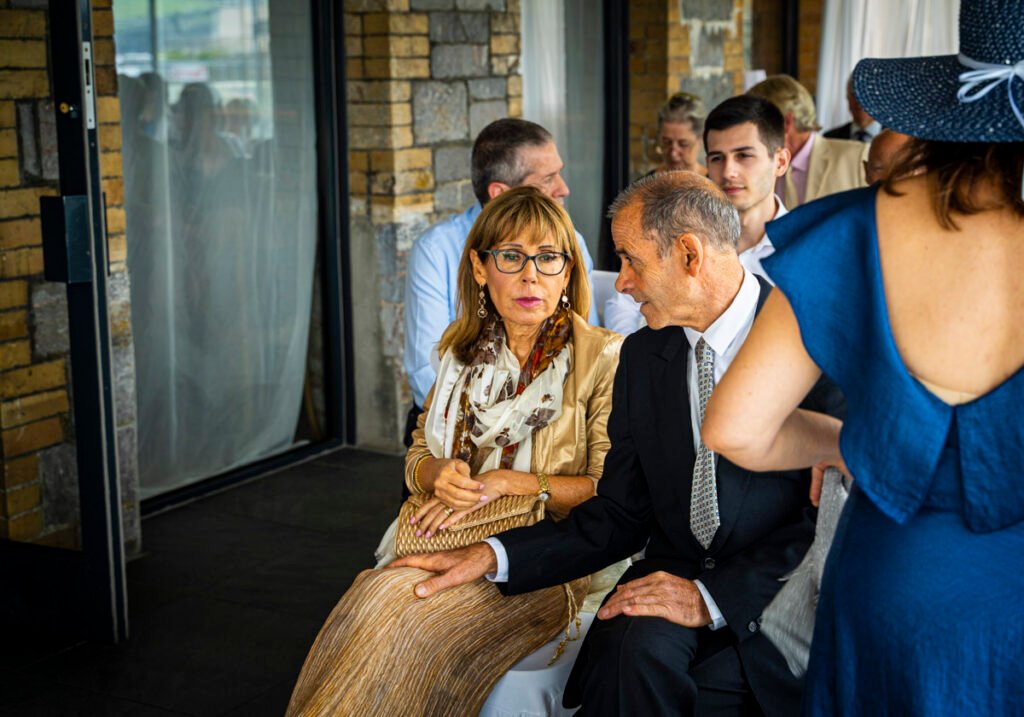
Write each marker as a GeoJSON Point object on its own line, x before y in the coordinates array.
{"type": "Point", "coordinates": [622, 314]}
{"type": "Point", "coordinates": [724, 337]}
{"type": "Point", "coordinates": [857, 133]}
{"type": "Point", "coordinates": [751, 258]}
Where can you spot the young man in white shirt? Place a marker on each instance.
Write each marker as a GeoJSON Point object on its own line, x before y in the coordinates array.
{"type": "Point", "coordinates": [744, 138]}
{"type": "Point", "coordinates": [745, 142]}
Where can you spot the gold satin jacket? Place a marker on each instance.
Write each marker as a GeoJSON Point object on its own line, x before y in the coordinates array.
{"type": "Point", "coordinates": [577, 442]}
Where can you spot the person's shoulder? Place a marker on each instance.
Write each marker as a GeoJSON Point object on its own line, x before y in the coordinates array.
{"type": "Point", "coordinates": [645, 342]}
{"type": "Point", "coordinates": [823, 266]}
{"type": "Point", "coordinates": [840, 132]}
{"type": "Point", "coordinates": [594, 341]}
{"type": "Point", "coordinates": [450, 232]}
{"type": "Point", "coordinates": [841, 212]}
{"type": "Point", "coordinates": [848, 149]}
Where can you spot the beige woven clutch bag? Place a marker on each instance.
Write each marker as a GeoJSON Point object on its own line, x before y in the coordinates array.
{"type": "Point", "coordinates": [507, 512]}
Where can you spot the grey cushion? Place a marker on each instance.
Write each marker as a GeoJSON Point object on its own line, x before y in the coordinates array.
{"type": "Point", "coordinates": [788, 621]}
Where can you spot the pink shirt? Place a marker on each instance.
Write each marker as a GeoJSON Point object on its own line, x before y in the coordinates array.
{"type": "Point", "coordinates": [797, 171]}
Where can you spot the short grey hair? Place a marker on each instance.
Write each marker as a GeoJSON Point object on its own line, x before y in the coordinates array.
{"type": "Point", "coordinates": [683, 107]}
{"type": "Point", "coordinates": [497, 153]}
{"type": "Point", "coordinates": [681, 202]}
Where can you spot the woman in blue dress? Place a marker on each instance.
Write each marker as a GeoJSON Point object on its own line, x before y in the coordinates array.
{"type": "Point", "coordinates": [911, 297]}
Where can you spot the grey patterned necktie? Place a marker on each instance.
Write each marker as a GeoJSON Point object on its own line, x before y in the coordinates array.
{"type": "Point", "coordinates": [704, 520]}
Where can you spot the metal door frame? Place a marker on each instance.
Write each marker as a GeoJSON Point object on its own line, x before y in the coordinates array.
{"type": "Point", "coordinates": [78, 594]}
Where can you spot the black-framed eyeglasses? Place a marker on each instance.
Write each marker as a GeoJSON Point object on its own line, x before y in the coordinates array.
{"type": "Point", "coordinates": [512, 261]}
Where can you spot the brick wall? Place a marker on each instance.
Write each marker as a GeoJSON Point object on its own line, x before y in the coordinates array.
{"type": "Point", "coordinates": [766, 37]}
{"type": "Point", "coordinates": [424, 77]}
{"type": "Point", "coordinates": [38, 483]}
{"type": "Point", "coordinates": [691, 45]}
{"type": "Point", "coordinates": [809, 46]}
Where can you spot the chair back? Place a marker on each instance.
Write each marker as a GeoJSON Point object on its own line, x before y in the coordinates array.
{"type": "Point", "coordinates": [602, 288]}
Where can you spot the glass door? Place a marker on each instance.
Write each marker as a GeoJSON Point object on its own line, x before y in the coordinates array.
{"type": "Point", "coordinates": [219, 135]}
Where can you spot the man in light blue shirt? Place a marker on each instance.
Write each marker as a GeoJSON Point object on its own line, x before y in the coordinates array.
{"type": "Point", "coordinates": [507, 153]}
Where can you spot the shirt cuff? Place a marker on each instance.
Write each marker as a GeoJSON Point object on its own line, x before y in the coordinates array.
{"type": "Point", "coordinates": [501, 574]}
{"type": "Point", "coordinates": [717, 619]}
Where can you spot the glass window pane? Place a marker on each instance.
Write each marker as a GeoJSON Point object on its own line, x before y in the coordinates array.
{"type": "Point", "coordinates": [563, 90]}
{"type": "Point", "coordinates": [219, 154]}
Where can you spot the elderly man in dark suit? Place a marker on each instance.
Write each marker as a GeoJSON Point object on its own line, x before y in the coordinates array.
{"type": "Point", "coordinates": [681, 633]}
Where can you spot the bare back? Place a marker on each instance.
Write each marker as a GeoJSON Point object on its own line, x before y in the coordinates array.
{"type": "Point", "coordinates": [955, 297]}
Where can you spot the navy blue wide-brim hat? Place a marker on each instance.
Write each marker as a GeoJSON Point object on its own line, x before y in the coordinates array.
{"type": "Point", "coordinates": [931, 97]}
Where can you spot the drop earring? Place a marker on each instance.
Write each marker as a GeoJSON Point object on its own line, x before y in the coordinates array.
{"type": "Point", "coordinates": [565, 301]}
{"type": "Point", "coordinates": [481, 308]}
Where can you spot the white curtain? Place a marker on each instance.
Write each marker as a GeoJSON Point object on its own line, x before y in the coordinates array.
{"type": "Point", "coordinates": [563, 90]}
{"type": "Point", "coordinates": [220, 196]}
{"type": "Point", "coordinates": [855, 29]}
{"type": "Point", "coordinates": [543, 65]}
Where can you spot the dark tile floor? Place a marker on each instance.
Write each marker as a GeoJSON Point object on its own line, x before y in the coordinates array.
{"type": "Point", "coordinates": [226, 599]}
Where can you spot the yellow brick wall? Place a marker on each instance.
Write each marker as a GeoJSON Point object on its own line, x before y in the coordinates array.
{"type": "Point", "coordinates": [649, 64]}
{"type": "Point", "coordinates": [809, 46]}
{"type": "Point", "coordinates": [663, 58]}
{"type": "Point", "coordinates": [35, 409]}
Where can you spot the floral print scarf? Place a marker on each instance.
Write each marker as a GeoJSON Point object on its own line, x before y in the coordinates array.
{"type": "Point", "coordinates": [493, 403]}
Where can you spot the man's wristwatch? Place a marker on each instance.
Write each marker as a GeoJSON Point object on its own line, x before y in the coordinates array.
{"type": "Point", "coordinates": [545, 490]}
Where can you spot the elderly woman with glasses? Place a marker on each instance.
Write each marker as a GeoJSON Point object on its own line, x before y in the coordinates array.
{"type": "Point", "coordinates": [520, 407]}
{"type": "Point", "coordinates": [679, 138]}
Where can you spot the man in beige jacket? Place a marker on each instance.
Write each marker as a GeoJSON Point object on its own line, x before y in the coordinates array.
{"type": "Point", "coordinates": [819, 165]}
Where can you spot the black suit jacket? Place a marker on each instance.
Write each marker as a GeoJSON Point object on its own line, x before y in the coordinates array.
{"type": "Point", "coordinates": [643, 499]}
{"type": "Point", "coordinates": [840, 132]}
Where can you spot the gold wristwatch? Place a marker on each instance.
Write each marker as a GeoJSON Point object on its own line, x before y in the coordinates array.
{"type": "Point", "coordinates": [545, 490]}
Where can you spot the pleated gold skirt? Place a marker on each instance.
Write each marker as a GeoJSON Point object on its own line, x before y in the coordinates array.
{"type": "Point", "coordinates": [383, 651]}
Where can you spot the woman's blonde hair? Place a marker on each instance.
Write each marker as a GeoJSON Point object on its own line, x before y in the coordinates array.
{"type": "Point", "coordinates": [529, 215]}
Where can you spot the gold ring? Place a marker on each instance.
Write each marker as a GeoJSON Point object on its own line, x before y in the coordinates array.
{"type": "Point", "coordinates": [449, 510]}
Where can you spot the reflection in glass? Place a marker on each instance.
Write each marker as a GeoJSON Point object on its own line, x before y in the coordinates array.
{"type": "Point", "coordinates": [563, 90]}
{"type": "Point", "coordinates": [218, 134]}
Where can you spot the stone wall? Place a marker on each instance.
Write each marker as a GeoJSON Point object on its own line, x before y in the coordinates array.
{"type": "Point", "coordinates": [690, 45]}
{"type": "Point", "coordinates": [424, 77]}
{"type": "Point", "coordinates": [38, 483]}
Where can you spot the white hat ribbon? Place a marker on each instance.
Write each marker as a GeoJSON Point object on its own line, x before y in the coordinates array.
{"type": "Point", "coordinates": [985, 77]}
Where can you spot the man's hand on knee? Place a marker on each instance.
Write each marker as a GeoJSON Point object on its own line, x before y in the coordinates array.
{"type": "Point", "coordinates": [456, 567]}
{"type": "Point", "coordinates": [661, 595]}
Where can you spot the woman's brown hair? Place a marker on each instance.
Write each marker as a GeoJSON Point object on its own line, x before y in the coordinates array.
{"type": "Point", "coordinates": [957, 169]}
{"type": "Point", "coordinates": [526, 214]}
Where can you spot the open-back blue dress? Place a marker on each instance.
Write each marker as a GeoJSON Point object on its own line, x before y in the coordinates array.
{"type": "Point", "coordinates": [922, 602]}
